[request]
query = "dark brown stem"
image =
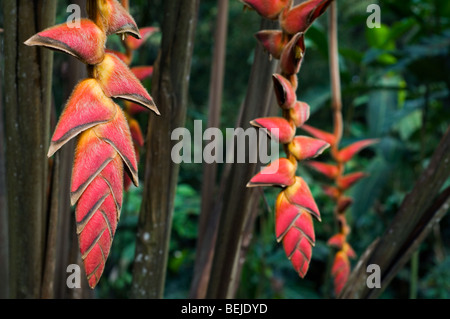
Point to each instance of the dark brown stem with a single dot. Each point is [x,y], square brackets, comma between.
[48,281]
[28,74]
[3,204]
[205,244]
[170,92]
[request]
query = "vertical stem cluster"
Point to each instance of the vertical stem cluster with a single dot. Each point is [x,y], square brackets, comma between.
[28,73]
[207,228]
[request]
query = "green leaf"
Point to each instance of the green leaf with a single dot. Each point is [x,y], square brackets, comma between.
[400,27]
[381,105]
[380,38]
[317,97]
[187,206]
[409,124]
[178,259]
[352,55]
[409,107]
[319,38]
[369,189]
[379,55]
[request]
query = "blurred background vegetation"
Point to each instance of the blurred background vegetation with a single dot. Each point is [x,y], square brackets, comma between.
[395,82]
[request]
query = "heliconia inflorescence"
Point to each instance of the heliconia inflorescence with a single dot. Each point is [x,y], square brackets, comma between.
[335,171]
[295,206]
[105,148]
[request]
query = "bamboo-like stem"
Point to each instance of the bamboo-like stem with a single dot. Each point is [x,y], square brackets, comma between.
[28,73]
[48,281]
[414,266]
[341,225]
[336,97]
[247,235]
[170,92]
[336,102]
[215,100]
[3,204]
[205,244]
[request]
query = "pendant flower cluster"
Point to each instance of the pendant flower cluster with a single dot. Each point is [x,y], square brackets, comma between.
[295,205]
[342,182]
[105,149]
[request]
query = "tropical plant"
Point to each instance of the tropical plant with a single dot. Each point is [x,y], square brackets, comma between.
[198,230]
[105,145]
[295,205]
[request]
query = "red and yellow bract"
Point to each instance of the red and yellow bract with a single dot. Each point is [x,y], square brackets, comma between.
[105,150]
[295,206]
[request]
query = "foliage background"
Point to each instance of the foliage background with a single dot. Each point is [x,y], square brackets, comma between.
[395,83]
